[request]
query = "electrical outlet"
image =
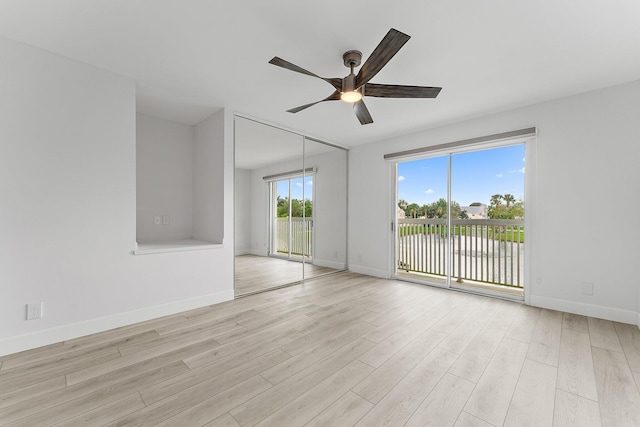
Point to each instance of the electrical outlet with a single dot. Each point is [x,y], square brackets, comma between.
[157,220]
[165,219]
[34,310]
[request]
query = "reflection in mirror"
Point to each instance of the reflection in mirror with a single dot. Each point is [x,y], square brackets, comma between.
[290,207]
[268,207]
[325,196]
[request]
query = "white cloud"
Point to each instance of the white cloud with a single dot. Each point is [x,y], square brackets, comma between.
[298,184]
[521,170]
[499,175]
[400,178]
[309,182]
[429,191]
[512,171]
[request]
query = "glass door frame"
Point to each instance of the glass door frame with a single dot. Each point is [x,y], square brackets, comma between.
[272,212]
[529,197]
[394,246]
[273,218]
[308,174]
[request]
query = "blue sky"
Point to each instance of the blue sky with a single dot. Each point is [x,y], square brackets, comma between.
[475,176]
[296,188]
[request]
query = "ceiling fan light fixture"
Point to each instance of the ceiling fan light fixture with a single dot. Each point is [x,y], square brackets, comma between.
[351,97]
[349,93]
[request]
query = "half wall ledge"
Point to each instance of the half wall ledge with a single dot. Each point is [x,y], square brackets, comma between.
[174,246]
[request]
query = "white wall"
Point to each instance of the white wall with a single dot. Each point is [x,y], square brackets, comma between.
[208,174]
[180,173]
[585,199]
[242,211]
[164,179]
[68,207]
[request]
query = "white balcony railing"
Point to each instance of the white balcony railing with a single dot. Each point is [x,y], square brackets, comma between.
[298,245]
[486,251]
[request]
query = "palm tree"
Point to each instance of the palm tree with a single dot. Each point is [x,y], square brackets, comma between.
[496,199]
[509,198]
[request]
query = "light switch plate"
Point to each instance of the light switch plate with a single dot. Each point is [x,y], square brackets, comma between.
[587,288]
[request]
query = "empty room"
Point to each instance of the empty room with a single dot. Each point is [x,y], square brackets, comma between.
[285,213]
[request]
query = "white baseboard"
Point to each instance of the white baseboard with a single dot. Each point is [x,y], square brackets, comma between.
[383,274]
[258,252]
[330,264]
[242,252]
[599,311]
[63,333]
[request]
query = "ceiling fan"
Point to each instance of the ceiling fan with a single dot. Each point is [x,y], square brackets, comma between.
[353,88]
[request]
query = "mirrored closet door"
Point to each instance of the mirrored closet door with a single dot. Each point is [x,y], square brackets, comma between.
[325,184]
[290,207]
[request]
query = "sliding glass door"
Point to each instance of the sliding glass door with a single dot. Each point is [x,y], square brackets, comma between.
[423,244]
[291,223]
[488,223]
[460,220]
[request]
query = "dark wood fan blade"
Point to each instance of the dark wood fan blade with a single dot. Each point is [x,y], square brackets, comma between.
[362,113]
[401,91]
[388,47]
[333,97]
[335,82]
[289,66]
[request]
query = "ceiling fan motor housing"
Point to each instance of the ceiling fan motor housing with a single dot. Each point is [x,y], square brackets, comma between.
[352,58]
[349,83]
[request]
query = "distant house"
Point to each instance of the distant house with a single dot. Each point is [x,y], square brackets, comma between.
[401,214]
[476,212]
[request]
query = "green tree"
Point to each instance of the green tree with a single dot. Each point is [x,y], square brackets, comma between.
[517,210]
[308,208]
[508,199]
[282,207]
[412,210]
[402,204]
[512,209]
[438,209]
[496,200]
[456,210]
[296,208]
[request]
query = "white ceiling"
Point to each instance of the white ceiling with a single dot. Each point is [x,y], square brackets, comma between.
[258,145]
[191,57]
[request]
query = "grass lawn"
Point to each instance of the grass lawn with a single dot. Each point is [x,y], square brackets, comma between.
[508,235]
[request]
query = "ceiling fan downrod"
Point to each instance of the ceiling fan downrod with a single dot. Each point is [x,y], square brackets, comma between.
[352,59]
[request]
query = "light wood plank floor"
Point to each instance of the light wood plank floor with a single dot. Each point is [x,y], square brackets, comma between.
[258,273]
[340,350]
